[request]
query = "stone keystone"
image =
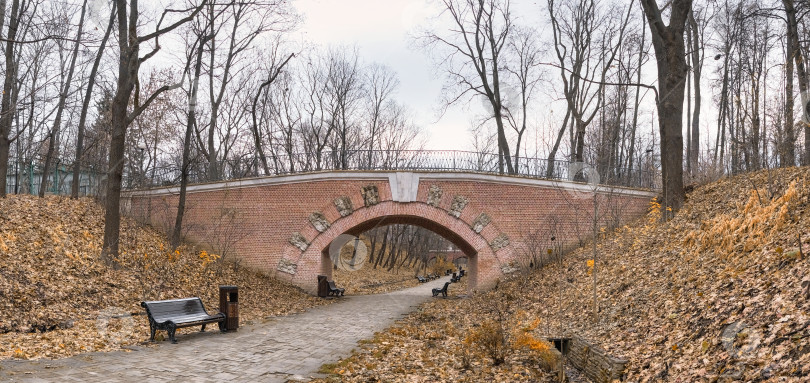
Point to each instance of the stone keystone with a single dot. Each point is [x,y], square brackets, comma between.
[481,222]
[299,241]
[318,221]
[370,195]
[434,195]
[287,266]
[499,242]
[344,206]
[457,206]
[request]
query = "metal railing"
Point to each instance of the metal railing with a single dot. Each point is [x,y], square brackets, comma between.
[411,160]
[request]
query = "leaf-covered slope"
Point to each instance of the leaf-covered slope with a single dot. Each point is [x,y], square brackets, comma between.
[52,279]
[717,291]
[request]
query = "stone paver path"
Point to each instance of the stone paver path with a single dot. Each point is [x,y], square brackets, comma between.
[284,348]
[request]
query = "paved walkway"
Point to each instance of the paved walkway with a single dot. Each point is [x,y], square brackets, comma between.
[284,348]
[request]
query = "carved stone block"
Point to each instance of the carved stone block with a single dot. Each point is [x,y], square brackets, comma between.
[481,222]
[371,195]
[299,241]
[458,205]
[319,222]
[434,195]
[344,206]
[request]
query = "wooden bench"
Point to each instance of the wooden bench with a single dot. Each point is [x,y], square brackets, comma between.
[172,314]
[334,290]
[421,279]
[442,290]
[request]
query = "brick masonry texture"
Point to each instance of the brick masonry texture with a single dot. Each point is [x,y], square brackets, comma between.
[284,225]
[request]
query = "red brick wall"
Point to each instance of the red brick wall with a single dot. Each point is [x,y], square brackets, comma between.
[255,219]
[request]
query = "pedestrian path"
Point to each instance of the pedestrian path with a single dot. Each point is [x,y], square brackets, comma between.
[279,350]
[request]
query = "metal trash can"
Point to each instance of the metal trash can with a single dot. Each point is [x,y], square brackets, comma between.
[323,286]
[229,305]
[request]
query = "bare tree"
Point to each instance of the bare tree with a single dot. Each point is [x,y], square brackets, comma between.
[128,65]
[583,65]
[272,73]
[8,104]
[526,56]
[795,52]
[695,35]
[471,52]
[91,82]
[195,54]
[381,83]
[344,92]
[63,94]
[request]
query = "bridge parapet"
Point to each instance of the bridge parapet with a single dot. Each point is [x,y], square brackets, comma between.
[641,177]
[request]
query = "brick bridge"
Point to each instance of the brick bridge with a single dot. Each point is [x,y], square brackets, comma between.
[284,225]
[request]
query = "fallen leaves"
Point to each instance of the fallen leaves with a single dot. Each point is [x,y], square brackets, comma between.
[56,291]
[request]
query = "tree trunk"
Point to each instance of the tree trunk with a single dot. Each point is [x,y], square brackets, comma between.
[787,152]
[801,71]
[668,42]
[191,119]
[636,103]
[57,121]
[553,154]
[697,68]
[91,82]
[7,109]
[128,62]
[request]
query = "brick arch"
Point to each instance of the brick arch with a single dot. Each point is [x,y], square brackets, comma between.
[485,261]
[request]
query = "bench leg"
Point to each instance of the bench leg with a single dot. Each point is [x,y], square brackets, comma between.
[152,331]
[203,327]
[222,326]
[171,330]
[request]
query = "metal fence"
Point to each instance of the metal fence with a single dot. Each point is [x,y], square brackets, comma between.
[24,176]
[412,160]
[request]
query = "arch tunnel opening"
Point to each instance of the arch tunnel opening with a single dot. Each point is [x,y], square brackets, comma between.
[426,262]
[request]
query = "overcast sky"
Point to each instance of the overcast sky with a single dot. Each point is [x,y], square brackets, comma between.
[381,30]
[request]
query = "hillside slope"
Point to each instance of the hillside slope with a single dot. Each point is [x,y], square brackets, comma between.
[719,293]
[57,295]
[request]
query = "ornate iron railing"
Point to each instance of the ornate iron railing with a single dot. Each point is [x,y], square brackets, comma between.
[413,160]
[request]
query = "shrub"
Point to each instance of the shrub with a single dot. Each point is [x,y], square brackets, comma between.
[489,339]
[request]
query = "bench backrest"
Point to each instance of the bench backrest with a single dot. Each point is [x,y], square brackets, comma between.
[332,285]
[445,286]
[165,310]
